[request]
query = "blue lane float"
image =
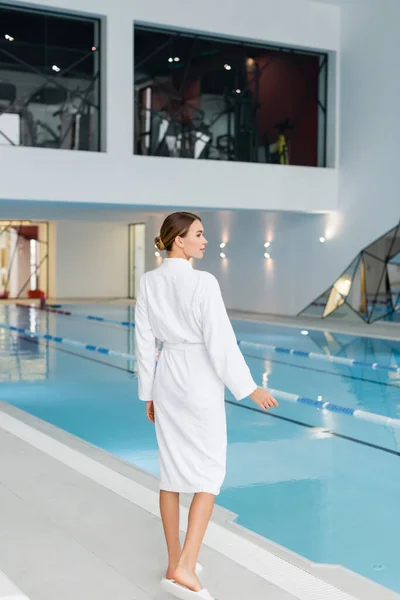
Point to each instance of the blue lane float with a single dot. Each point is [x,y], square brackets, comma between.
[279,394]
[350,362]
[361,415]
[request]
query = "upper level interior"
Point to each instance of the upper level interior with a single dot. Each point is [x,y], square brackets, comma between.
[95,97]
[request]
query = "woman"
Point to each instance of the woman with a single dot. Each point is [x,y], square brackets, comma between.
[183,308]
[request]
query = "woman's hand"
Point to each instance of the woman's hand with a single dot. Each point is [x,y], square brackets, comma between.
[263,399]
[150,411]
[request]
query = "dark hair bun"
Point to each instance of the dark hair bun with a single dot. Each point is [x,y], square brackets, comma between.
[159,243]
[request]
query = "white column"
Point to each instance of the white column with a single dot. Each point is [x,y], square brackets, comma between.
[117,85]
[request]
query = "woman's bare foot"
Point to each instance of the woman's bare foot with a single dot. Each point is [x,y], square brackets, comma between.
[173,562]
[170,572]
[187,578]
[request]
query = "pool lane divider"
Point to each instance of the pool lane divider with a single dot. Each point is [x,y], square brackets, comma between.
[360,415]
[350,362]
[68,313]
[61,340]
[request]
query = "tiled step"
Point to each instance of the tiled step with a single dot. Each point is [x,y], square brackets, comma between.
[9,591]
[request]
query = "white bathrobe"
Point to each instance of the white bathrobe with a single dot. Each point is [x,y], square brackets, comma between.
[183,308]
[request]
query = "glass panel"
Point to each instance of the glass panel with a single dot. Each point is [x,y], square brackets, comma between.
[395,249]
[335,300]
[317,308]
[377,286]
[341,288]
[393,317]
[396,259]
[200,97]
[343,284]
[393,270]
[49,80]
[344,312]
[357,297]
[380,313]
[382,246]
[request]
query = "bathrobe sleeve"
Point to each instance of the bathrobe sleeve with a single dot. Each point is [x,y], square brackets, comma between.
[145,345]
[220,340]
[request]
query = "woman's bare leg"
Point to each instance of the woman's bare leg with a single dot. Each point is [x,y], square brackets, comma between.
[169,508]
[199,517]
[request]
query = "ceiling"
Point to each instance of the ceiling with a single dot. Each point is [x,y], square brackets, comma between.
[79,211]
[344,2]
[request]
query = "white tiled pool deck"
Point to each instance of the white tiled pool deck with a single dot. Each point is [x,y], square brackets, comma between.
[79,524]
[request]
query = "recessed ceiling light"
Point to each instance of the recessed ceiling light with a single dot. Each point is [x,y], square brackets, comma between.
[222,255]
[322,239]
[227,67]
[222,245]
[304,332]
[267,244]
[267,255]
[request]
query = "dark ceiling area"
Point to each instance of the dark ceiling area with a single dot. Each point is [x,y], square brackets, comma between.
[40,40]
[160,53]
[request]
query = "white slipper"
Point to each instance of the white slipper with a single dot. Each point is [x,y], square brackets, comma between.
[198,570]
[179,591]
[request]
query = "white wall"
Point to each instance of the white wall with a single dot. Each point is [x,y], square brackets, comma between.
[91,259]
[248,280]
[369,151]
[119,177]
[370,177]
[88,251]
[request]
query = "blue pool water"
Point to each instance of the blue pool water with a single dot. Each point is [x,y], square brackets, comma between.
[322,484]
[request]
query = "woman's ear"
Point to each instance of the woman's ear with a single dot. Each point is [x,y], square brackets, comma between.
[179,241]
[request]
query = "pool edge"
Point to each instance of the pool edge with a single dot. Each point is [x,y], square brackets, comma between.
[340,577]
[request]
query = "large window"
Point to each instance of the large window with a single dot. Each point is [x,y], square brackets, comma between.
[200,97]
[49,80]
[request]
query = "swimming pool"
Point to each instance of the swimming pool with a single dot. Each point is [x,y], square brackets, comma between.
[322,484]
